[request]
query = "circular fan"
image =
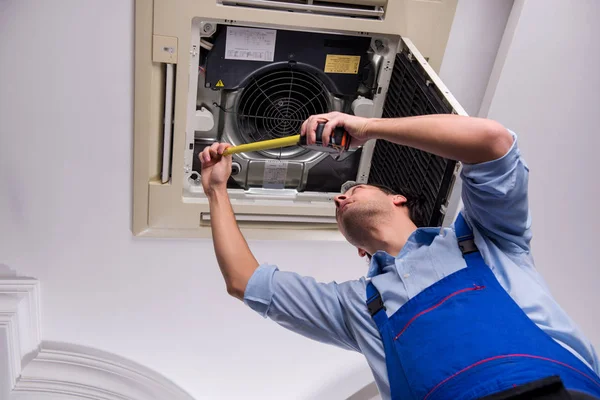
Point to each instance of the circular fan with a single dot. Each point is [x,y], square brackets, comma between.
[275,104]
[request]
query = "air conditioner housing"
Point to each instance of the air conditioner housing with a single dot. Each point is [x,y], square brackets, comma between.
[240,71]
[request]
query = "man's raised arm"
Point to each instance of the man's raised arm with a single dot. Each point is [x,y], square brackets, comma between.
[466,139]
[235,259]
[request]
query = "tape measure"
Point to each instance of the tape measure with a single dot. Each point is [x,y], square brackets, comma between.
[339,141]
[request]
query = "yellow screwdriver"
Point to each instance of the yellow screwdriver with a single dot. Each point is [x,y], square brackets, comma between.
[338,142]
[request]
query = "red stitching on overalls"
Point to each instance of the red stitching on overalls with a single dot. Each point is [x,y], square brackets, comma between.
[507,356]
[436,306]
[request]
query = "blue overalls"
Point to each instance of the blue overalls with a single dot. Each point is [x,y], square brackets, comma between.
[464,337]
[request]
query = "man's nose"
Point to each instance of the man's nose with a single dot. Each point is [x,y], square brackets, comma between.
[338,200]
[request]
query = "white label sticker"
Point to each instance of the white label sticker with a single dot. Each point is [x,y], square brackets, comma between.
[250,44]
[274,176]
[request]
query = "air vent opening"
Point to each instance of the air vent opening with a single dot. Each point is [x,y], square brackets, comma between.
[369,9]
[276,103]
[249,219]
[169,97]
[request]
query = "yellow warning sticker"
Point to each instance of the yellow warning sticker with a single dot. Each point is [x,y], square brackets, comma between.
[338,64]
[220,84]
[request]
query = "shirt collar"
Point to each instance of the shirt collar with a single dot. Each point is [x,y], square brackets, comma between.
[382,259]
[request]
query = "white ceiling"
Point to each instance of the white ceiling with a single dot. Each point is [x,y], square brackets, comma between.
[66,151]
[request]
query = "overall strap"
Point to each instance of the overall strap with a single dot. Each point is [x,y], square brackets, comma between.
[466,243]
[375,305]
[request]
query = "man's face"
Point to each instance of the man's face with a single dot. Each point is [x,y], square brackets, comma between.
[359,208]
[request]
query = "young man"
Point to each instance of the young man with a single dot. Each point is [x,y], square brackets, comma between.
[454,313]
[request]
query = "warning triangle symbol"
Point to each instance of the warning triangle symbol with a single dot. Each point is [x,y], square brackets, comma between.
[220,84]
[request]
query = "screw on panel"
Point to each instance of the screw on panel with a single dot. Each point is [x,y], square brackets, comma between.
[194,176]
[207,29]
[235,168]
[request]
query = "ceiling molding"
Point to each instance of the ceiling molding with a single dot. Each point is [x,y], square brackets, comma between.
[19,326]
[30,366]
[73,370]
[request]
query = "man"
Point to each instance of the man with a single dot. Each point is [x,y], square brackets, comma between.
[436,320]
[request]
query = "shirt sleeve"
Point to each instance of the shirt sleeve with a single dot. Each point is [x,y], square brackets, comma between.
[301,304]
[495,198]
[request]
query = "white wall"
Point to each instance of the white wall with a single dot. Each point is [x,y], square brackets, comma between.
[66,128]
[547,92]
[476,32]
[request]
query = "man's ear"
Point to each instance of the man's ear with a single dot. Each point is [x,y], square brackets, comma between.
[399,200]
[361,252]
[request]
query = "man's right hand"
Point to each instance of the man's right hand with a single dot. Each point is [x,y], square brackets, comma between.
[355,126]
[216,168]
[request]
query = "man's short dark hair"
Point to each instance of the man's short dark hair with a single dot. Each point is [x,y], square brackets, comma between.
[415,202]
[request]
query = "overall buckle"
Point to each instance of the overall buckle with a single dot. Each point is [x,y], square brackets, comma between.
[467,245]
[375,305]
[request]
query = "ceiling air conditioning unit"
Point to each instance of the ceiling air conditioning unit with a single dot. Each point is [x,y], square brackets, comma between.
[241,71]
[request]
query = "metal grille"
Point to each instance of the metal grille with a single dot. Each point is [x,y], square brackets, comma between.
[275,104]
[398,167]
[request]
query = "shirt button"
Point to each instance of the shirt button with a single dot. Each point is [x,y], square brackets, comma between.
[406,275]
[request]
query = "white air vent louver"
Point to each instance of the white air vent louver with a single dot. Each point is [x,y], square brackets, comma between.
[373,9]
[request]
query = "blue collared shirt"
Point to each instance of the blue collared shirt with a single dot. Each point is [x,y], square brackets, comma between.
[496,207]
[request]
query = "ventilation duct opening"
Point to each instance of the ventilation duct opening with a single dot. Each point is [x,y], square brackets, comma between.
[370,9]
[277,219]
